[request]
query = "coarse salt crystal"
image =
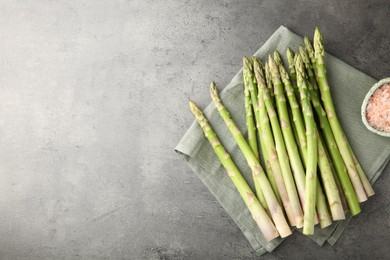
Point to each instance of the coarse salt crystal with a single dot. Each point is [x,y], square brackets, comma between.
[378,108]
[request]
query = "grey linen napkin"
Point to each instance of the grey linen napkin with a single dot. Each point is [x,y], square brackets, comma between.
[348,88]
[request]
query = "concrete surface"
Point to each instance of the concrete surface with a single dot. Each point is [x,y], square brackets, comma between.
[93,99]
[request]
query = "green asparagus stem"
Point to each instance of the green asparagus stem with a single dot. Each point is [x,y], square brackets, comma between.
[248,68]
[336,178]
[269,144]
[329,183]
[250,121]
[310,51]
[293,74]
[268,80]
[322,208]
[296,113]
[342,142]
[250,87]
[297,141]
[366,183]
[278,59]
[288,146]
[300,135]
[257,171]
[258,213]
[323,162]
[268,107]
[252,139]
[321,204]
[308,67]
[334,152]
[311,166]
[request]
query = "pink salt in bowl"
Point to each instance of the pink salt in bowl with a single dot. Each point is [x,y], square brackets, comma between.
[376,108]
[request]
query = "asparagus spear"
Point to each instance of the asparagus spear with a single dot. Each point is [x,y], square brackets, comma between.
[268,80]
[267,139]
[334,152]
[278,59]
[258,213]
[250,121]
[310,51]
[288,146]
[309,68]
[296,112]
[321,204]
[326,174]
[336,178]
[366,183]
[356,175]
[269,160]
[329,183]
[311,166]
[257,171]
[293,75]
[252,132]
[252,139]
[293,209]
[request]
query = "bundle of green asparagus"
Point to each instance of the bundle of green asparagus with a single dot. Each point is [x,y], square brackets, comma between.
[311,173]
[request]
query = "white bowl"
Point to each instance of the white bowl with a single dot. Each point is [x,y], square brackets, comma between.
[364,106]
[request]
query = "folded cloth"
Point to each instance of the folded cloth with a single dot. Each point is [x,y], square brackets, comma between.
[348,88]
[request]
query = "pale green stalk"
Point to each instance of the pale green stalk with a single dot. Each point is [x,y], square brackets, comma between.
[300,136]
[334,152]
[311,166]
[329,183]
[257,171]
[249,88]
[366,183]
[252,138]
[293,75]
[335,176]
[267,137]
[258,213]
[309,68]
[288,149]
[250,121]
[268,80]
[357,176]
[252,86]
[326,174]
[278,59]
[278,139]
[310,51]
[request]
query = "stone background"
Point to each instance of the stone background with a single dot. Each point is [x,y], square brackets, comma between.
[93,99]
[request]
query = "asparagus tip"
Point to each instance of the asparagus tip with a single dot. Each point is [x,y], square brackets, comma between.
[194,108]
[271,62]
[258,68]
[309,49]
[318,42]
[257,64]
[247,63]
[304,55]
[299,65]
[283,73]
[214,91]
[273,68]
[278,58]
[290,56]
[307,43]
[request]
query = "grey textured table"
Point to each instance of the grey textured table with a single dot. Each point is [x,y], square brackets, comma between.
[94,98]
